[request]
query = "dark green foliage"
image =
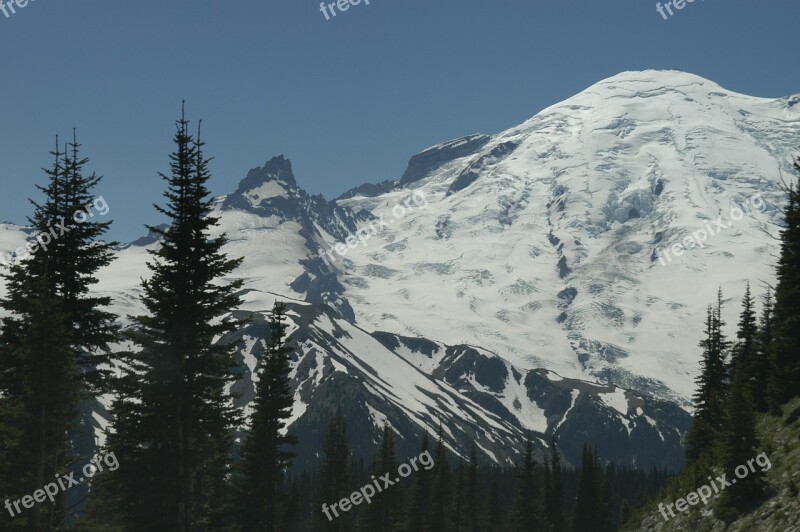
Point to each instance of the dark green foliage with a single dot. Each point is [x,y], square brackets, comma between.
[336,480]
[40,413]
[595,508]
[471,523]
[418,511]
[762,361]
[496,489]
[785,374]
[711,383]
[740,444]
[440,491]
[527,513]
[383,513]
[554,489]
[53,336]
[493,511]
[746,347]
[264,455]
[173,419]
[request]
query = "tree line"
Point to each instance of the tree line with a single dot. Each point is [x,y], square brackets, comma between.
[748,375]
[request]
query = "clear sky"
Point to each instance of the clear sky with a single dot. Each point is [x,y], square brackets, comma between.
[348,100]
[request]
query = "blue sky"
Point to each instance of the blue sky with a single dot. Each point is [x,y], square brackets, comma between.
[348,100]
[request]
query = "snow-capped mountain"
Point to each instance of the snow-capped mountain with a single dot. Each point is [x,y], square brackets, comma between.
[515,283]
[540,243]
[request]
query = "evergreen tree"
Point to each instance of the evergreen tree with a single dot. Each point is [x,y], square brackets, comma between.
[459,496]
[554,490]
[785,374]
[711,386]
[419,505]
[493,511]
[440,490]
[740,444]
[382,513]
[595,508]
[471,498]
[264,457]
[56,268]
[173,416]
[745,349]
[527,512]
[607,514]
[77,255]
[47,401]
[586,503]
[335,477]
[763,355]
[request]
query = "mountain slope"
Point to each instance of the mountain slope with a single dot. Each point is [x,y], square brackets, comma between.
[502,274]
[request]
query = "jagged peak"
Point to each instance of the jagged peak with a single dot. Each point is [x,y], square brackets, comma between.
[279,168]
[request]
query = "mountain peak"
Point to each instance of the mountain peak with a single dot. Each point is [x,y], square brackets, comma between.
[278,168]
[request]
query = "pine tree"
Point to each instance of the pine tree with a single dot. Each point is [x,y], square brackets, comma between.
[335,481]
[554,495]
[77,255]
[459,495]
[745,349]
[740,444]
[382,513]
[56,268]
[711,386]
[174,421]
[527,512]
[607,514]
[419,505]
[493,510]
[440,489]
[586,503]
[48,399]
[471,498]
[785,374]
[264,455]
[763,357]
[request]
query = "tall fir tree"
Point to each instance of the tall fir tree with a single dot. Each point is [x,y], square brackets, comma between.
[173,416]
[746,347]
[458,498]
[527,510]
[740,444]
[419,501]
[493,511]
[55,268]
[47,402]
[471,495]
[383,512]
[440,489]
[785,374]
[265,457]
[709,399]
[586,501]
[595,509]
[763,356]
[335,476]
[554,490]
